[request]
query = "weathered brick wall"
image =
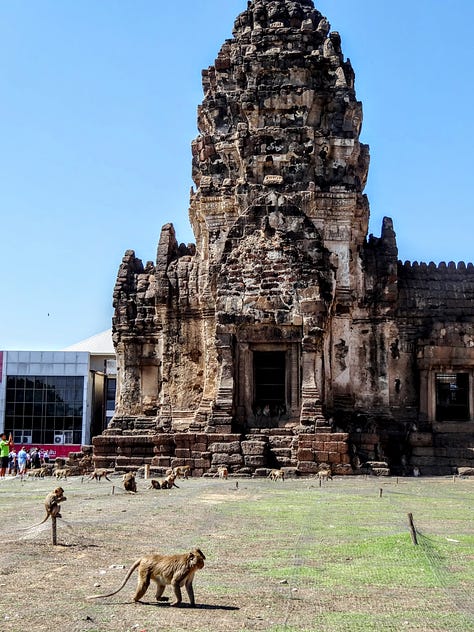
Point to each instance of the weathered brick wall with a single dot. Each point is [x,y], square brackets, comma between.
[203,452]
[436,292]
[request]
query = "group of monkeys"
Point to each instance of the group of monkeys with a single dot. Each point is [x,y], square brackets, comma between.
[130,484]
[182,471]
[324,474]
[164,570]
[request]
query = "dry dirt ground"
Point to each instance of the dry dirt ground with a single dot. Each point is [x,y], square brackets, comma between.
[262,541]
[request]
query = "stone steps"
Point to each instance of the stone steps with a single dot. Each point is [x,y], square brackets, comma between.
[450,446]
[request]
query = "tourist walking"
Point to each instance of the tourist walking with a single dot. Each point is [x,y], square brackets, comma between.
[22,459]
[12,465]
[35,458]
[5,447]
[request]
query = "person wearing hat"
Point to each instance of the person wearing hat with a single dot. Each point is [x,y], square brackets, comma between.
[5,447]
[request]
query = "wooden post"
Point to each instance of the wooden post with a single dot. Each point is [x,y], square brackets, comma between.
[412,529]
[113,490]
[53,530]
[380,493]
[147,472]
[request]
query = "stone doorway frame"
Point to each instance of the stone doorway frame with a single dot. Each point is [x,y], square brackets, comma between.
[245,382]
[428,390]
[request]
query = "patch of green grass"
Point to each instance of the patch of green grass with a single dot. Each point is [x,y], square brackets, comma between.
[385,561]
[338,536]
[411,621]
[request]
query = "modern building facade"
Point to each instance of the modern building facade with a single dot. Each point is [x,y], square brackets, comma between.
[58,400]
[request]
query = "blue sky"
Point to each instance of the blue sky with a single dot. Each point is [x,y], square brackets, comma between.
[98,109]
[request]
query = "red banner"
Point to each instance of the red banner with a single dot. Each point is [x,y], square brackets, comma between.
[58,451]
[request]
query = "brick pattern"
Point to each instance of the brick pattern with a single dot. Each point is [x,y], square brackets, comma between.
[242,455]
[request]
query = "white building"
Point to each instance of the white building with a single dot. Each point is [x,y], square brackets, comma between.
[58,400]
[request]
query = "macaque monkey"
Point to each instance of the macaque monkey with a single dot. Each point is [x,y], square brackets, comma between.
[277,475]
[85,464]
[155,484]
[129,482]
[63,472]
[181,471]
[174,570]
[98,474]
[40,472]
[163,483]
[169,482]
[222,472]
[325,474]
[51,504]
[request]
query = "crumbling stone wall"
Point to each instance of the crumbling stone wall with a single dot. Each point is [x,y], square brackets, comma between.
[204,452]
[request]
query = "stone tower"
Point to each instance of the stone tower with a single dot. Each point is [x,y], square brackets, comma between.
[282,319]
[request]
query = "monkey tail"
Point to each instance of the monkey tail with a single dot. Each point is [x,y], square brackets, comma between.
[127,577]
[33,526]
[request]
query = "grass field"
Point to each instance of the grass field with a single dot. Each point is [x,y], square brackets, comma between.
[281,557]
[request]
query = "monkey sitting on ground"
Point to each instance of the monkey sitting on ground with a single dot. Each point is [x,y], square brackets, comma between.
[177,570]
[129,482]
[155,484]
[163,483]
[276,475]
[169,482]
[85,464]
[51,504]
[98,474]
[222,472]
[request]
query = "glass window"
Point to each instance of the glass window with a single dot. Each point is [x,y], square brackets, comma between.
[110,393]
[38,407]
[452,396]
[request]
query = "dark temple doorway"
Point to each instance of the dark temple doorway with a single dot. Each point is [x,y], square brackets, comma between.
[452,397]
[269,369]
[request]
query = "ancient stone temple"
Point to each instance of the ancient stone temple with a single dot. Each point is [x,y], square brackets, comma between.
[285,337]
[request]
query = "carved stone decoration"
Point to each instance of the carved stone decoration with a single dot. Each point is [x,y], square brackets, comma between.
[235,350]
[394,349]
[341,353]
[269,180]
